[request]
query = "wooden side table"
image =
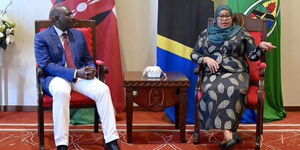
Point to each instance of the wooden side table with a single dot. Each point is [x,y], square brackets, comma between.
[156,95]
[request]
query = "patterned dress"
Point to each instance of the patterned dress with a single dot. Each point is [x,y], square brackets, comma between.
[224,92]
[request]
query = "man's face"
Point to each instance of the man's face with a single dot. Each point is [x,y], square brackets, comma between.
[65,19]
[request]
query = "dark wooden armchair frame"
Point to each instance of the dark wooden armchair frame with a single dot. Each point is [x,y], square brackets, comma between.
[251,25]
[101,71]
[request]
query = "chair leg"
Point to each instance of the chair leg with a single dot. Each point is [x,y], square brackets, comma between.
[259,125]
[196,135]
[41,127]
[177,116]
[96,122]
[258,133]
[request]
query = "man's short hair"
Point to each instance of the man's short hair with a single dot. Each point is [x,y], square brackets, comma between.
[55,11]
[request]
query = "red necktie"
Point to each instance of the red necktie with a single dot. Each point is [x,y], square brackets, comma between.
[68,51]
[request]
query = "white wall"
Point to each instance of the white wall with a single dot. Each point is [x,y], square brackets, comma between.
[290,52]
[18,74]
[137,21]
[137,29]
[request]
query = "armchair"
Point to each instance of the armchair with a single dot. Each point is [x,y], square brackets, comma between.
[258,30]
[77,100]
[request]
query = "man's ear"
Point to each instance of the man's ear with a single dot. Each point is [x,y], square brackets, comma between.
[56,18]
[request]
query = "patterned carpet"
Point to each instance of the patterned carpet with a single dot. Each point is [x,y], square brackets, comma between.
[18,131]
[146,139]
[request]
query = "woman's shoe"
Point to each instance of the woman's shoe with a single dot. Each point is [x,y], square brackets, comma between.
[237,137]
[228,145]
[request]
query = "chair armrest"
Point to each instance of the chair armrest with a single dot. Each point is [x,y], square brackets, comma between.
[102,70]
[261,83]
[262,67]
[40,94]
[99,62]
[198,69]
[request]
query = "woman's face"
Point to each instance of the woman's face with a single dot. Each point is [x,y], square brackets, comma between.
[224,19]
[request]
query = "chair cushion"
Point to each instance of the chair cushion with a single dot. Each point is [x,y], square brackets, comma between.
[200,94]
[76,99]
[43,29]
[87,32]
[257,37]
[254,69]
[252,96]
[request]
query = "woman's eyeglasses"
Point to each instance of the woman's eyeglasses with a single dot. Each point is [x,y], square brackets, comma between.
[224,17]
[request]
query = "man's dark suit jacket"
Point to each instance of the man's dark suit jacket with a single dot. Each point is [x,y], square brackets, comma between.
[50,55]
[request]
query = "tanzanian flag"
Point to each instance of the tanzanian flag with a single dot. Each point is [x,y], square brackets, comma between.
[269,10]
[179,24]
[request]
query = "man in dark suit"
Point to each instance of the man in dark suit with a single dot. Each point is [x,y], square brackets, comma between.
[63,55]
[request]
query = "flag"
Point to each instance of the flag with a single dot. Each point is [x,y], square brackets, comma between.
[269,10]
[108,48]
[179,24]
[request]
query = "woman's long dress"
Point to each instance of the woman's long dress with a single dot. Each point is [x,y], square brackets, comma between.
[224,92]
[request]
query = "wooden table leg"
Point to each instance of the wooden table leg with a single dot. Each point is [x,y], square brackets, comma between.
[129,111]
[177,118]
[182,112]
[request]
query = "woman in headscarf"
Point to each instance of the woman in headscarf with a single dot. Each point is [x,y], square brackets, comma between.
[222,49]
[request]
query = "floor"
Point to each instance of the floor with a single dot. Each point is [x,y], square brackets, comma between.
[18,130]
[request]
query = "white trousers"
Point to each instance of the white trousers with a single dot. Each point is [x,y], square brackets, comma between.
[95,89]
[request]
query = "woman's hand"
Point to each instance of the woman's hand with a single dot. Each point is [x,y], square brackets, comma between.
[266,46]
[211,63]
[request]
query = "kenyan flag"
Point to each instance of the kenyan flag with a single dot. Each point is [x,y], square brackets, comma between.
[108,48]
